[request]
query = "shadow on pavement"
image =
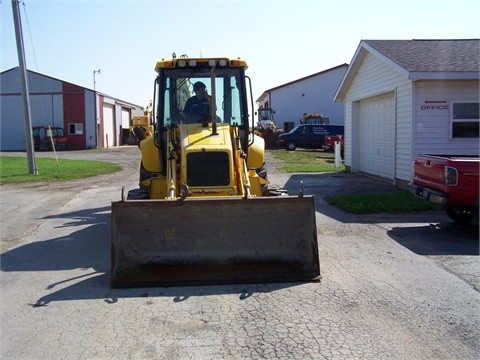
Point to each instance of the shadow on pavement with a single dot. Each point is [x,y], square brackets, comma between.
[322,185]
[88,249]
[445,238]
[97,287]
[328,184]
[85,248]
[441,236]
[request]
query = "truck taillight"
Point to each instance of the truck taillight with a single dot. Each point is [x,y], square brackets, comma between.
[451,176]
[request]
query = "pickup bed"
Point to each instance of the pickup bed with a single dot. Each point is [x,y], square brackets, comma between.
[451,181]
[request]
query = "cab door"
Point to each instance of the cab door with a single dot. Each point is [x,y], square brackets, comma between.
[317,135]
[301,136]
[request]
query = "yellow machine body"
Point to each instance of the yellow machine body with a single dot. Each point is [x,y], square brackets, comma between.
[203,212]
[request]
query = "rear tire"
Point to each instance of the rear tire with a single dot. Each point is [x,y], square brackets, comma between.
[459,215]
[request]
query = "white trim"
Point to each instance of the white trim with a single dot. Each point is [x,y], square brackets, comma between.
[367,96]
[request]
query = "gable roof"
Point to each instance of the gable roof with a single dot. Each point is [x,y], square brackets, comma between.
[122,102]
[419,59]
[302,79]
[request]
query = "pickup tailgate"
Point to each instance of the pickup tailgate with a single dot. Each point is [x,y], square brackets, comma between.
[429,171]
[455,176]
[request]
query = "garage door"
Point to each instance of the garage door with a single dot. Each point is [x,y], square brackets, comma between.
[125,118]
[108,127]
[377,136]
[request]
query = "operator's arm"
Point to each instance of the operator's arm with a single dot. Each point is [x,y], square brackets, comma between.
[187,110]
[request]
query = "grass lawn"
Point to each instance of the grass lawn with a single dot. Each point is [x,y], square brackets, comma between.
[320,161]
[391,203]
[15,169]
[306,161]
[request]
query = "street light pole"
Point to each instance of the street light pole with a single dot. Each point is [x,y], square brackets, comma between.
[95,72]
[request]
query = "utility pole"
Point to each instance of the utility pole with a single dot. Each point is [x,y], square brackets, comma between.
[32,167]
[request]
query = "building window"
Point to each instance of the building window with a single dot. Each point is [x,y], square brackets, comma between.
[465,120]
[75,129]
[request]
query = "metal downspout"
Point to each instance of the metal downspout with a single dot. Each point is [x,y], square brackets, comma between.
[394,183]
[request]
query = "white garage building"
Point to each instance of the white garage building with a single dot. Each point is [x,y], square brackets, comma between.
[408,97]
[311,94]
[90,119]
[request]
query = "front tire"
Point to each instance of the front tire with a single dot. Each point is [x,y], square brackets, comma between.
[144,174]
[262,173]
[137,194]
[290,146]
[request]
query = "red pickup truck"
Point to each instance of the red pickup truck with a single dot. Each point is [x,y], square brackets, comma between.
[451,181]
[330,140]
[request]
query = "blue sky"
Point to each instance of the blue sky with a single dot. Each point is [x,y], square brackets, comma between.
[280,40]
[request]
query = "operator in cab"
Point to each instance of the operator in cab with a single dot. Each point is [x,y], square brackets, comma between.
[197,108]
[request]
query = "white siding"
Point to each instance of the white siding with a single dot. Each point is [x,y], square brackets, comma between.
[12,133]
[433,126]
[45,101]
[375,78]
[310,95]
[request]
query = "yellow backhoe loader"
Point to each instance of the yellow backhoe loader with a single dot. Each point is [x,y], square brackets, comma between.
[203,213]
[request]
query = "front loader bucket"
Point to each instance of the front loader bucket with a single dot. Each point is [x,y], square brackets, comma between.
[213,241]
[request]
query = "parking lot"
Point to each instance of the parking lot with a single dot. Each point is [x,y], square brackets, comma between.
[393,286]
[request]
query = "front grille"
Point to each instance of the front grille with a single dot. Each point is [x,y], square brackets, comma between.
[208,169]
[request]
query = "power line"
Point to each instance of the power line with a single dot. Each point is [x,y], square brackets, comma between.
[30,35]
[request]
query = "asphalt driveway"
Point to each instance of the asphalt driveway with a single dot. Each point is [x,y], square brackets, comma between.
[400,287]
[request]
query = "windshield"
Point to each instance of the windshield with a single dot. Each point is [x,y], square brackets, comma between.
[190,96]
[265,114]
[294,130]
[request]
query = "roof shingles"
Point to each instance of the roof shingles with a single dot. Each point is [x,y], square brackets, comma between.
[431,55]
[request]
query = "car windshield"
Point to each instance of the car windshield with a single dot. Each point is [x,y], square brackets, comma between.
[294,130]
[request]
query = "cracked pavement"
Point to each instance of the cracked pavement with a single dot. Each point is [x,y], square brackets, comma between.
[398,287]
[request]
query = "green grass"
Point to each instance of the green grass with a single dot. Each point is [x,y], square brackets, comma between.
[15,169]
[320,161]
[392,203]
[306,161]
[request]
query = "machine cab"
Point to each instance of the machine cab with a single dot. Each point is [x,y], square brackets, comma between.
[201,90]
